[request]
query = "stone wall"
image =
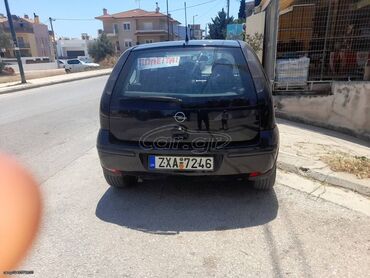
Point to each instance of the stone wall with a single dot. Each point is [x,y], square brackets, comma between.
[347,109]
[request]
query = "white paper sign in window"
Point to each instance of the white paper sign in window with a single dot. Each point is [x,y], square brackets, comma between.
[158,62]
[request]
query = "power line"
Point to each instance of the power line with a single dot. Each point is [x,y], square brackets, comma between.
[75,19]
[210,10]
[189,7]
[93,19]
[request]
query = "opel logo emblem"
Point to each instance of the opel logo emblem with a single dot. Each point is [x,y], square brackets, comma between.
[180,117]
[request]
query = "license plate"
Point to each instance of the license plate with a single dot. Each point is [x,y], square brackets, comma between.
[182,163]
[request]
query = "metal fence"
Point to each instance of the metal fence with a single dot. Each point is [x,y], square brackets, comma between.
[322,40]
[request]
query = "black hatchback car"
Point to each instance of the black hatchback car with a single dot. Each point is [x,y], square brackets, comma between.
[201,108]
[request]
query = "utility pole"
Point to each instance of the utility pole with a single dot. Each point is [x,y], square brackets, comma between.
[16,48]
[228,9]
[54,43]
[168,22]
[186,24]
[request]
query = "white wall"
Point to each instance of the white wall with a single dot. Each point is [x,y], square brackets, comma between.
[256,24]
[31,67]
[347,109]
[69,45]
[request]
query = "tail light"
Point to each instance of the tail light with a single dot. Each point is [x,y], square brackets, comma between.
[255,174]
[114,171]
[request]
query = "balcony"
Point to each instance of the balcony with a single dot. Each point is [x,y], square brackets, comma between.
[151,32]
[24,45]
[19,29]
[111,35]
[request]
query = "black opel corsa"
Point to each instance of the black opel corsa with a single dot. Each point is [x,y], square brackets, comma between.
[197,108]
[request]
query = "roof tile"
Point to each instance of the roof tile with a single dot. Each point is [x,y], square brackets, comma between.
[133,13]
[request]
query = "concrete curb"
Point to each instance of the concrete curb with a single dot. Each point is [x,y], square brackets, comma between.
[306,168]
[23,87]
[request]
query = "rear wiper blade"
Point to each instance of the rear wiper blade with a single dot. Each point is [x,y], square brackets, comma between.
[153,98]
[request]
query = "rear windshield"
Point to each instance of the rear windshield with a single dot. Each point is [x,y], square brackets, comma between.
[186,72]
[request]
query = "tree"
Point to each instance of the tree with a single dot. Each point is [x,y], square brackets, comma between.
[217,29]
[255,41]
[101,48]
[5,40]
[242,15]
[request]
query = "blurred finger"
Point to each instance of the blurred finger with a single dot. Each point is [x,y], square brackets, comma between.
[20,211]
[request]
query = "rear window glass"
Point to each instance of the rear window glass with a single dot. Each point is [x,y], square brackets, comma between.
[186,72]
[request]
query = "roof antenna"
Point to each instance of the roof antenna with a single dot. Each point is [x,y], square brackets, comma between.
[186,24]
[157,7]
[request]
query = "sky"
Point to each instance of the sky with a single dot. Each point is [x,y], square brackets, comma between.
[86,10]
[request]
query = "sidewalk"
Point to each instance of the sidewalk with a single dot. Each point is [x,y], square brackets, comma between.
[303,149]
[46,81]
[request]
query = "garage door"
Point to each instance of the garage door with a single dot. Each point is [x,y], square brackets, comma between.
[72,54]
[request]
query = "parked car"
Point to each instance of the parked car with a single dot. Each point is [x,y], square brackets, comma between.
[62,63]
[202,108]
[76,65]
[85,59]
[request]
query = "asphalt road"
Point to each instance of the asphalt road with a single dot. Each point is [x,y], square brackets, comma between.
[165,228]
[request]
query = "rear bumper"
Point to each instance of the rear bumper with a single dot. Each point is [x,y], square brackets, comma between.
[133,160]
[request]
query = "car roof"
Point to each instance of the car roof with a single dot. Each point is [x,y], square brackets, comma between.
[204,43]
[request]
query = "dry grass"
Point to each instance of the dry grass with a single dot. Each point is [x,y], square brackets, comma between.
[108,62]
[31,75]
[342,162]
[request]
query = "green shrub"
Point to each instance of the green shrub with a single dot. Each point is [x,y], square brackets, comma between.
[2,66]
[101,48]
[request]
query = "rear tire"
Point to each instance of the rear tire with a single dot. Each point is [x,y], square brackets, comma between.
[120,181]
[266,183]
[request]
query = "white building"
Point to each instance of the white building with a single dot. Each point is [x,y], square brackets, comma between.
[72,48]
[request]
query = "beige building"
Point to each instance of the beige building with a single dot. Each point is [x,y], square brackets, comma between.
[137,26]
[32,36]
[196,32]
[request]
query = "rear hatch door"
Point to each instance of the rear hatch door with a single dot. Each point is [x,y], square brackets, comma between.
[192,96]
